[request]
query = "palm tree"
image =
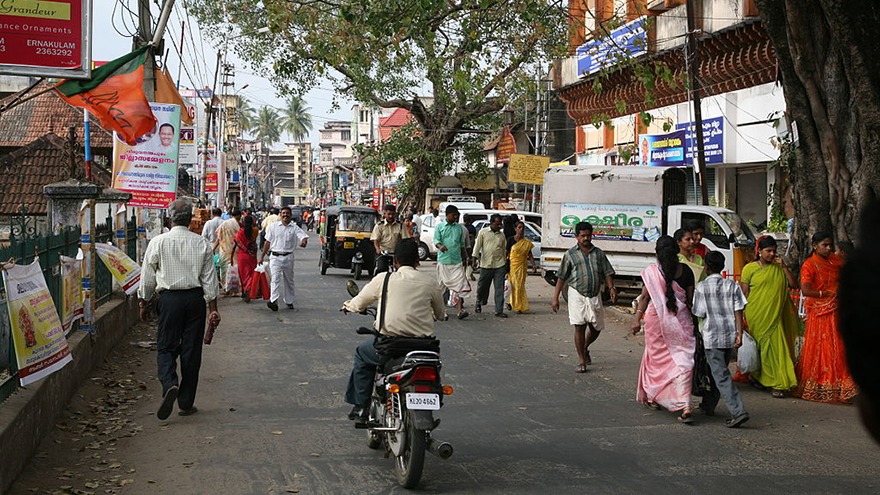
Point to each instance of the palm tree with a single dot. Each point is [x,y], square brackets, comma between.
[297,119]
[245,113]
[267,126]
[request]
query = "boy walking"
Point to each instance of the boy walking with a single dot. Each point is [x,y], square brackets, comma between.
[720,302]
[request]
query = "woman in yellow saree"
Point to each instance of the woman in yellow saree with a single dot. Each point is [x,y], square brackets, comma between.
[520,255]
[771,317]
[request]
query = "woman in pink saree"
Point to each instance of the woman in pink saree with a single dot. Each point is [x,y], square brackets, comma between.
[668,361]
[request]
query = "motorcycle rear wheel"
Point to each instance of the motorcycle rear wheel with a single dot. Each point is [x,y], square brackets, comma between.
[409,464]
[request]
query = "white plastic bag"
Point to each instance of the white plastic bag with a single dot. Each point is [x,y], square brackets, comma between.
[260,268]
[748,358]
[233,284]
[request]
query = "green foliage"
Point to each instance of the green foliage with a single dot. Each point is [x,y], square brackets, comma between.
[472,57]
[244,112]
[297,121]
[267,126]
[777,221]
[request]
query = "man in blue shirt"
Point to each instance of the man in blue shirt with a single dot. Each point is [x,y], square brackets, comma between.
[451,241]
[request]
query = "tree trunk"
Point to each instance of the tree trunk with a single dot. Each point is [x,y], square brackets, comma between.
[829,60]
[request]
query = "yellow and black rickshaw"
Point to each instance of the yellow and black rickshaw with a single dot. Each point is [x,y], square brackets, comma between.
[345,239]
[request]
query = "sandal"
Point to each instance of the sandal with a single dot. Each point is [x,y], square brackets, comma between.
[652,405]
[581,368]
[777,394]
[587,358]
[686,417]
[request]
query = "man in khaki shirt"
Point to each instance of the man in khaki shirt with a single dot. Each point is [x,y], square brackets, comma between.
[402,319]
[386,234]
[491,249]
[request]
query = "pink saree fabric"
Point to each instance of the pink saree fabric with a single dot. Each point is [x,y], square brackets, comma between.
[668,361]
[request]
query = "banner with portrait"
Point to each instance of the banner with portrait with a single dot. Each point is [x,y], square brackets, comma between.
[126,272]
[148,170]
[40,346]
[71,291]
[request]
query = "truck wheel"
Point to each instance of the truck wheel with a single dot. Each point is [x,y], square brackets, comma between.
[550,278]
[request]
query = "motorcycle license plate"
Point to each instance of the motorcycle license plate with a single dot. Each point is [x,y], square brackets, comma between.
[348,245]
[423,401]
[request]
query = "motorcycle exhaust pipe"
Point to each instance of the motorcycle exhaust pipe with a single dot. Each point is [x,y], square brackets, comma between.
[442,450]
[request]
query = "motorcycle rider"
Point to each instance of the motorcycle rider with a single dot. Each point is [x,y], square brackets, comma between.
[402,319]
[386,234]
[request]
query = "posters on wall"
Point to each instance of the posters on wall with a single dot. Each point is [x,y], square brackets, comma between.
[71,291]
[662,150]
[613,222]
[148,170]
[124,270]
[37,334]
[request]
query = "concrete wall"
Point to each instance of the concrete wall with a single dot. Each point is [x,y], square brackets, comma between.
[29,413]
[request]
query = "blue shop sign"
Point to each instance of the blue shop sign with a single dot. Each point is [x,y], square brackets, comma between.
[626,42]
[713,140]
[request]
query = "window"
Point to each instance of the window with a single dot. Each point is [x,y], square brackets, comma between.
[345,135]
[532,233]
[712,231]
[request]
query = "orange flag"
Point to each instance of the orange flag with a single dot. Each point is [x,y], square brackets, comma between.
[115,95]
[166,92]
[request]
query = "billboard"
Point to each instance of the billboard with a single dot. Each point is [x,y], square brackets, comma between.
[662,150]
[46,38]
[148,170]
[626,42]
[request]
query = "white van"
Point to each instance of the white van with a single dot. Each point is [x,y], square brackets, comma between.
[476,215]
[426,235]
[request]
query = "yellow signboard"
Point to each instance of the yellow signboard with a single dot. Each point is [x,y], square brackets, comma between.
[527,169]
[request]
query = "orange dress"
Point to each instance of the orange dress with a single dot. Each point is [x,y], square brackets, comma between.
[822,373]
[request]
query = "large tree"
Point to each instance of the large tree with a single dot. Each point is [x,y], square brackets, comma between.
[829,59]
[244,112]
[297,119]
[267,126]
[469,57]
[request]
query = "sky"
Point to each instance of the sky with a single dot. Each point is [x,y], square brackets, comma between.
[114,21]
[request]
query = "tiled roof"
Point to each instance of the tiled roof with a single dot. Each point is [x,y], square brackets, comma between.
[387,125]
[45,114]
[25,171]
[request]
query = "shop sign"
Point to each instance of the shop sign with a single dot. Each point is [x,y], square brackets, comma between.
[448,190]
[713,140]
[625,43]
[662,150]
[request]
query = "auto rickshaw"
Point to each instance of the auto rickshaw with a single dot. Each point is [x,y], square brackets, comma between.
[345,239]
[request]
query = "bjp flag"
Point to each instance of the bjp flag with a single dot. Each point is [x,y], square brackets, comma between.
[115,95]
[166,92]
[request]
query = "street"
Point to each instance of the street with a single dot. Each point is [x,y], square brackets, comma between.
[272,420]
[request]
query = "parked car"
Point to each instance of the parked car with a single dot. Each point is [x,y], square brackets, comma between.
[532,233]
[528,216]
[426,237]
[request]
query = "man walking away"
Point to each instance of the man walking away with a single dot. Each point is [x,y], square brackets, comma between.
[720,302]
[583,269]
[386,234]
[282,238]
[450,240]
[402,319]
[209,231]
[490,249]
[179,266]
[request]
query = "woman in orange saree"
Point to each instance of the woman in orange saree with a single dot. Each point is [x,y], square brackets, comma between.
[822,373]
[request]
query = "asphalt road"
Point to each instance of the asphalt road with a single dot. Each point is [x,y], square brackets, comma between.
[272,418]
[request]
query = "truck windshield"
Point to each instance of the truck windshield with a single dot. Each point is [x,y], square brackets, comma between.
[741,231]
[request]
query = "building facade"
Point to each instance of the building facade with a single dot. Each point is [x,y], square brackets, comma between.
[292,171]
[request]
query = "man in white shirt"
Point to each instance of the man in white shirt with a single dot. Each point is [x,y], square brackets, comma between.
[179,266]
[281,239]
[402,318]
[209,231]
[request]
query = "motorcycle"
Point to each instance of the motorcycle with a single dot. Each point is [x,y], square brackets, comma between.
[385,259]
[406,392]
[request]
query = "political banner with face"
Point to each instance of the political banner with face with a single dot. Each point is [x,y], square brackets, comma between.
[148,170]
[126,272]
[40,345]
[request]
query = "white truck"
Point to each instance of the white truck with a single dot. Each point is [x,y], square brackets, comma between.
[629,208]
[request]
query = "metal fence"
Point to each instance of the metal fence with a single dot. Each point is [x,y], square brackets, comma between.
[23,246]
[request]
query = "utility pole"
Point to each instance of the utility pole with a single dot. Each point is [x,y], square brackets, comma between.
[210,109]
[145,35]
[700,156]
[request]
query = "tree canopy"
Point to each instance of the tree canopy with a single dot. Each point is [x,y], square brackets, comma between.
[267,126]
[451,63]
[297,119]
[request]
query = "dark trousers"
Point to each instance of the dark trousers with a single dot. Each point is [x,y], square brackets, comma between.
[492,276]
[182,316]
[360,382]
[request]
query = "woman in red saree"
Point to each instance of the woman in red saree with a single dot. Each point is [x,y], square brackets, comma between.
[822,373]
[668,362]
[245,244]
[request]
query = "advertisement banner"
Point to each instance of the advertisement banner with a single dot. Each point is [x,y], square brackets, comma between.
[626,42]
[506,147]
[613,222]
[211,174]
[148,170]
[662,150]
[186,151]
[40,346]
[527,169]
[43,34]
[376,199]
[71,291]
[713,140]
[123,268]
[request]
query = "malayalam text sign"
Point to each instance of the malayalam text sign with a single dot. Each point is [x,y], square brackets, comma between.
[527,169]
[126,272]
[626,42]
[662,150]
[613,222]
[713,140]
[148,170]
[48,38]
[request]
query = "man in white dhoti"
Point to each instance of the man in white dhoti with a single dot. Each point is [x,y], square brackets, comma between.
[450,239]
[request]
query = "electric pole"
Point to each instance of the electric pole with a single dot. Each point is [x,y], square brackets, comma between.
[700,155]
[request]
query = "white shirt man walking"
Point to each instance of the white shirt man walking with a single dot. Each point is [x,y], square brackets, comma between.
[281,240]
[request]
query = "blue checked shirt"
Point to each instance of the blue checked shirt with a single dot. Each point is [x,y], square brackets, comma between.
[716,299]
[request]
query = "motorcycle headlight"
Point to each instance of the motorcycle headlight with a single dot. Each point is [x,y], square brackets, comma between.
[359,255]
